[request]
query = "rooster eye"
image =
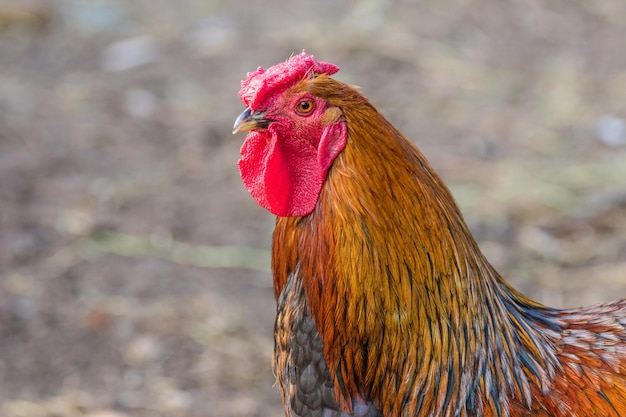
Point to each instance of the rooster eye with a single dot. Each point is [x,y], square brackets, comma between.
[305,107]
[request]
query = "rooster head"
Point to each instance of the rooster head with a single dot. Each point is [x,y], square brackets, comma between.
[293,138]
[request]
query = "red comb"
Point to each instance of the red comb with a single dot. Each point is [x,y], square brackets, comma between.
[281,76]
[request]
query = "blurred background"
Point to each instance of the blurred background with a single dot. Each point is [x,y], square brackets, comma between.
[134,273]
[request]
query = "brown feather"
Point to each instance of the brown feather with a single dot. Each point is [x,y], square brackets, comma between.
[412,317]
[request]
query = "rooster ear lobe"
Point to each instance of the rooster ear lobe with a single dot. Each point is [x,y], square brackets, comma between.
[331,144]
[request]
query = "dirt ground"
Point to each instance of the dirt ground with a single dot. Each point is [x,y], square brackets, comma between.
[134,265]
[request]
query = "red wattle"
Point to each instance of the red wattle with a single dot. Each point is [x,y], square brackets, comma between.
[286,180]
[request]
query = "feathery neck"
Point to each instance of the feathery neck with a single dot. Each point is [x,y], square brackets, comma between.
[395,280]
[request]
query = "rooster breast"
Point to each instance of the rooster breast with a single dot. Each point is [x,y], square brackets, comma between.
[303,376]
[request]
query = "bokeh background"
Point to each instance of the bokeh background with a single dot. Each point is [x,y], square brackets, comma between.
[134,265]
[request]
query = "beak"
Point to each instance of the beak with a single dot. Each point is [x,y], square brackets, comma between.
[249,120]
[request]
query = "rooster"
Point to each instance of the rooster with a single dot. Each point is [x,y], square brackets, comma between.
[386,305]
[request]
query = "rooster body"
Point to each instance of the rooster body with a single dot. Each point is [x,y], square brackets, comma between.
[386,305]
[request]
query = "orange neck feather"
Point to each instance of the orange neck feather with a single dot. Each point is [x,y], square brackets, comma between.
[394,280]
